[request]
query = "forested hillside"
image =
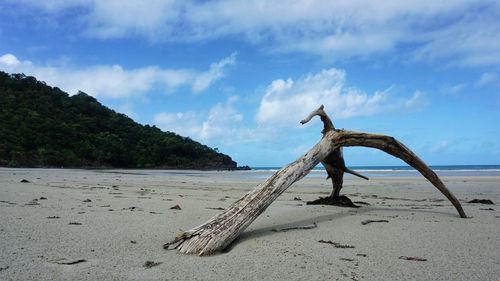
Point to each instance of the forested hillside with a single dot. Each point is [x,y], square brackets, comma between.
[42,126]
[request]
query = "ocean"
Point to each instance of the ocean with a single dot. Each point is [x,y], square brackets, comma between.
[395,171]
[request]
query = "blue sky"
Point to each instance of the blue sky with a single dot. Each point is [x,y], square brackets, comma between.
[239,75]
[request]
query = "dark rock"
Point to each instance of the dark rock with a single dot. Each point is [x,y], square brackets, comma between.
[4,268]
[336,244]
[243,168]
[412,258]
[216,208]
[370,221]
[481,201]
[150,264]
[362,202]
[25,181]
[71,262]
[340,201]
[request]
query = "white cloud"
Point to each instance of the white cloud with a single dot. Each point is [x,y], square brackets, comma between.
[285,102]
[127,109]
[118,19]
[9,60]
[215,73]
[442,146]
[461,32]
[223,124]
[469,41]
[488,78]
[182,123]
[114,81]
[453,89]
[221,120]
[415,102]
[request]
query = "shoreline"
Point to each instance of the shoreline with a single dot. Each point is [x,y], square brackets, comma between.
[317,170]
[117,222]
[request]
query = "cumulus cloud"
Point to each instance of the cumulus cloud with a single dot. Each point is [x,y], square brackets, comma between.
[222,118]
[286,101]
[114,81]
[223,124]
[182,123]
[461,32]
[9,60]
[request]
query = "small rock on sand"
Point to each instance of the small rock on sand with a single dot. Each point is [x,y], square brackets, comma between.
[481,201]
[150,264]
[176,207]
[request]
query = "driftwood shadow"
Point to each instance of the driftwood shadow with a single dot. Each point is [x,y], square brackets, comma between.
[270,230]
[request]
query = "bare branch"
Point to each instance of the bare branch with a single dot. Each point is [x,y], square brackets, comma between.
[327,122]
[391,146]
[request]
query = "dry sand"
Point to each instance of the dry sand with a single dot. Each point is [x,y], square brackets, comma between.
[105,225]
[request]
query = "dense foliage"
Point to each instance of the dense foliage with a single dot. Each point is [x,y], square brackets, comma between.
[42,126]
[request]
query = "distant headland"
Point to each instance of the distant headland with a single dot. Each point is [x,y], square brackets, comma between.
[42,126]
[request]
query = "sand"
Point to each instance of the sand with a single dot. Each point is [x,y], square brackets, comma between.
[105,225]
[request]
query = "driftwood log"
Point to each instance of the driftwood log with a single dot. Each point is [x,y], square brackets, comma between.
[218,232]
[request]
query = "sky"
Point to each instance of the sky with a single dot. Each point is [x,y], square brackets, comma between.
[240,75]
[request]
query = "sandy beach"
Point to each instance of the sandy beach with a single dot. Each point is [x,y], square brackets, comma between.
[107,224]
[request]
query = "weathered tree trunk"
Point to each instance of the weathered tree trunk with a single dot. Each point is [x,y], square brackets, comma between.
[334,165]
[217,233]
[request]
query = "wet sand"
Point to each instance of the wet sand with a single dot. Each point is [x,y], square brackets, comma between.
[111,225]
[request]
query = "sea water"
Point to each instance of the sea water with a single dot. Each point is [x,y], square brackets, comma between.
[393,171]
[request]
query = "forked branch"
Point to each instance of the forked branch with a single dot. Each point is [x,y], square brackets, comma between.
[327,122]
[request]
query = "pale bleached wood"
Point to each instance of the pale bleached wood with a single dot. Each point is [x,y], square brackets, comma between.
[217,233]
[221,230]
